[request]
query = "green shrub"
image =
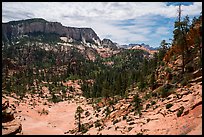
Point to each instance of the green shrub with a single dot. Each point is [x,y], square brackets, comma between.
[129,119]
[174,57]
[84,129]
[115,121]
[140,133]
[111,102]
[169,106]
[45,103]
[87,113]
[180,111]
[174,79]
[166,90]
[153,103]
[147,96]
[45,112]
[155,107]
[130,128]
[137,103]
[154,94]
[116,128]
[186,78]
[97,123]
[124,117]
[168,70]
[147,106]
[189,67]
[148,120]
[184,82]
[162,63]
[107,111]
[97,115]
[55,99]
[131,123]
[98,109]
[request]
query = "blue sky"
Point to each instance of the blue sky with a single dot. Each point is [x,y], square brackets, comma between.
[122,22]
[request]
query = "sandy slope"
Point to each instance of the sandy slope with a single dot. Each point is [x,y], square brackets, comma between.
[61,118]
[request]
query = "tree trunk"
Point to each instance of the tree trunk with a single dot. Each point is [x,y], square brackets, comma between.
[183,65]
[79,123]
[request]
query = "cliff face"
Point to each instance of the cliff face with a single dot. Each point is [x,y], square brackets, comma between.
[15,29]
[107,43]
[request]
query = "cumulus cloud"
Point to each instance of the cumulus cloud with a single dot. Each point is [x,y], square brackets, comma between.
[123,22]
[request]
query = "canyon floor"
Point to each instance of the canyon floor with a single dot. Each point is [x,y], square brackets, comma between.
[40,117]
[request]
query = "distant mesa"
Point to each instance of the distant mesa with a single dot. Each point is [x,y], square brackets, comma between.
[142,46]
[14,29]
[107,43]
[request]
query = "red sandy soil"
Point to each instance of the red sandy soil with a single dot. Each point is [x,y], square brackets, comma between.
[60,117]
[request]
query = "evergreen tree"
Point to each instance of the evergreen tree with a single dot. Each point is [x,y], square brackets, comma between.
[137,104]
[78,113]
[180,32]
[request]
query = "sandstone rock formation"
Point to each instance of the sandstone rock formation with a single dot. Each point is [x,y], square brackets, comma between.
[107,43]
[10,125]
[15,29]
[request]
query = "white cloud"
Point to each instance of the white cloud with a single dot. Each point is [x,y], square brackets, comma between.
[162,31]
[102,16]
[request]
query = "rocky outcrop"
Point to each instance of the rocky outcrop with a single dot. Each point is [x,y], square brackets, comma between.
[10,125]
[197,73]
[107,43]
[15,29]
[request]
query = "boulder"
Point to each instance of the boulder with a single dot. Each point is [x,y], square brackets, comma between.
[198,79]
[11,128]
[10,125]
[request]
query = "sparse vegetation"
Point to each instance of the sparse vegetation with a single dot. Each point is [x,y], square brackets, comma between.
[84,128]
[148,106]
[115,121]
[169,106]
[166,90]
[137,104]
[148,120]
[131,123]
[153,103]
[107,111]
[87,113]
[97,123]
[36,60]
[140,133]
[129,119]
[154,94]
[147,96]
[54,98]
[124,117]
[130,128]
[43,112]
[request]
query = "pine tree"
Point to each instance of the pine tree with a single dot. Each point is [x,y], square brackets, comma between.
[163,49]
[78,113]
[137,104]
[180,32]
